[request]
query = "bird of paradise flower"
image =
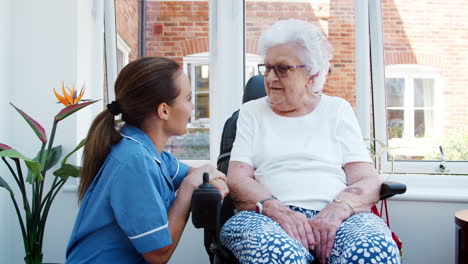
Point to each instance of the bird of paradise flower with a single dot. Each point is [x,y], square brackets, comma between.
[71,97]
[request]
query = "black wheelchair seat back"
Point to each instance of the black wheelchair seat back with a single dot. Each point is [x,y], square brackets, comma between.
[254,89]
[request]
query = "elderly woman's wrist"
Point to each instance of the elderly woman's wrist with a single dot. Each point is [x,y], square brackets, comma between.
[345,204]
[273,206]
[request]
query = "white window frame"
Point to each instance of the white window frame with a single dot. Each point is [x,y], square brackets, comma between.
[190,62]
[198,59]
[124,50]
[409,72]
[380,124]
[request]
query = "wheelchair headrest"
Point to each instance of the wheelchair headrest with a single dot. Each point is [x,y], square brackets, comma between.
[254,89]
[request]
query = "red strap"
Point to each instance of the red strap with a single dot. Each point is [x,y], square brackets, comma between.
[375,210]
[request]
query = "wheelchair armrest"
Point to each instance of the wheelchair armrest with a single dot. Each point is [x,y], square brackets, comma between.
[390,189]
[206,207]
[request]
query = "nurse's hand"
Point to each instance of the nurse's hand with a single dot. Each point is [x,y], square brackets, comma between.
[217,179]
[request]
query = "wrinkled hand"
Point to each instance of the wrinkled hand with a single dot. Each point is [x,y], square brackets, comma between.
[324,227]
[294,223]
[221,185]
[195,178]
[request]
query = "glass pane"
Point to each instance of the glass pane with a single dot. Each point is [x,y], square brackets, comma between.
[431,56]
[173,29]
[395,90]
[202,84]
[422,121]
[395,123]
[423,92]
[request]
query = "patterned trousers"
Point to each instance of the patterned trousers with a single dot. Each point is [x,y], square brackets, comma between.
[254,238]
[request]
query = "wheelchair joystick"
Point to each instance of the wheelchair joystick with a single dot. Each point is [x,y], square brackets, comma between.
[206,179]
[206,205]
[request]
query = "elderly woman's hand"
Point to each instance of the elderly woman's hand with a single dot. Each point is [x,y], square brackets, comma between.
[294,223]
[221,185]
[324,227]
[217,178]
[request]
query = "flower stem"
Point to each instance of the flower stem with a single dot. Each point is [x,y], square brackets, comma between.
[45,213]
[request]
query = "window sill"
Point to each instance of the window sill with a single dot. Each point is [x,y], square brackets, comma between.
[432,188]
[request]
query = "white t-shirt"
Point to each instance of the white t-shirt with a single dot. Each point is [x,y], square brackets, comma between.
[300,159]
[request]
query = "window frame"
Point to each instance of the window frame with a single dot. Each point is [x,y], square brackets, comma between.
[189,63]
[125,50]
[379,107]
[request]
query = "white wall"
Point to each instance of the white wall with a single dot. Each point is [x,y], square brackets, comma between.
[424,217]
[6,215]
[41,38]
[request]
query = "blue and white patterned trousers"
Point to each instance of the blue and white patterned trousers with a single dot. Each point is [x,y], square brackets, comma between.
[254,238]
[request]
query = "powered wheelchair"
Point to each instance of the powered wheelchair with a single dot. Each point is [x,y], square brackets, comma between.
[210,213]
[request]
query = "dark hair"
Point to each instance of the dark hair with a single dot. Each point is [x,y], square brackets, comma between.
[140,87]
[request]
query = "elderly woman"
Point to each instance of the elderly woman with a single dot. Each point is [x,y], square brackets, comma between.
[300,174]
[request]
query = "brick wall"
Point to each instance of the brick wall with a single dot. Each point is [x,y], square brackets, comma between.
[128,24]
[175,29]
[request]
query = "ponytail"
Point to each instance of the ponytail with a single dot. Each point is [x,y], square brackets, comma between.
[141,86]
[101,136]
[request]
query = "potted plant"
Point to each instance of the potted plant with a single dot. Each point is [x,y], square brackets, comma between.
[35,197]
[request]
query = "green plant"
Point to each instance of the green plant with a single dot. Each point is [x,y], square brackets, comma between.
[38,199]
[454,145]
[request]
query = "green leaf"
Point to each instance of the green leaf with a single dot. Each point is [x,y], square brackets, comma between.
[5,185]
[54,157]
[32,165]
[67,170]
[71,109]
[36,127]
[80,145]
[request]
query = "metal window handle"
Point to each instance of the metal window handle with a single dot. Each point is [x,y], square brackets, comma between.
[442,167]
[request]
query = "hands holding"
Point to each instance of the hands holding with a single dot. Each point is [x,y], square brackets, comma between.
[294,223]
[324,226]
[316,234]
[195,177]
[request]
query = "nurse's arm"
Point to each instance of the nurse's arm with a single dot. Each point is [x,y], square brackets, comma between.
[177,218]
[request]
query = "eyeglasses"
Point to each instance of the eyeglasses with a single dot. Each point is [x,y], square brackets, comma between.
[280,70]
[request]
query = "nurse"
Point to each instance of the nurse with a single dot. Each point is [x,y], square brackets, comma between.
[130,211]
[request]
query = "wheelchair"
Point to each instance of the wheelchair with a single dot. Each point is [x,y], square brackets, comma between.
[207,210]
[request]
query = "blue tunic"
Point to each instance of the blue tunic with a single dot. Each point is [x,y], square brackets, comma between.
[124,212]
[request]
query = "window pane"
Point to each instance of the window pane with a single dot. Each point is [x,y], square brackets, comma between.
[395,88]
[202,84]
[422,122]
[395,123]
[173,29]
[423,92]
[430,55]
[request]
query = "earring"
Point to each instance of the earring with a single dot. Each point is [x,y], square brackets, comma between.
[166,118]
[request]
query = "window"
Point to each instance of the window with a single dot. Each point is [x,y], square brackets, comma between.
[419,85]
[411,110]
[196,66]
[172,29]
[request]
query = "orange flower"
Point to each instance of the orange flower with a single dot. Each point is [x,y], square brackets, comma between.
[70,98]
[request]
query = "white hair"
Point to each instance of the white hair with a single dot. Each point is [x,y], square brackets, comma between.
[316,51]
